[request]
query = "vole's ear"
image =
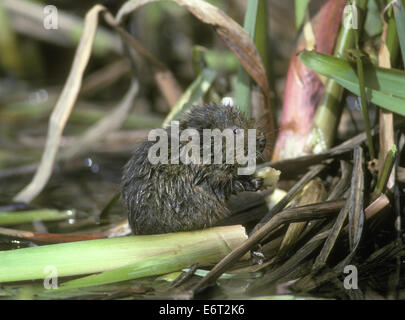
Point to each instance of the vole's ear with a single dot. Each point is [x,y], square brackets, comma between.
[183,124]
[185,119]
[189,119]
[196,118]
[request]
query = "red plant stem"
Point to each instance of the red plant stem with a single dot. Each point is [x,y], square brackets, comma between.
[304,88]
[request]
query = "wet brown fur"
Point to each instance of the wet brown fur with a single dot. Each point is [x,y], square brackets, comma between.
[166,198]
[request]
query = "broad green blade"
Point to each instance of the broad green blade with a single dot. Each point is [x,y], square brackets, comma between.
[373,23]
[160,253]
[147,267]
[300,9]
[384,87]
[242,88]
[400,21]
[379,98]
[213,59]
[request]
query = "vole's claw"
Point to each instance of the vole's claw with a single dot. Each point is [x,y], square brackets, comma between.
[249,184]
[237,186]
[257,183]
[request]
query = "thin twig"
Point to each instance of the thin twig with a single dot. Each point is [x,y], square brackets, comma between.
[167,83]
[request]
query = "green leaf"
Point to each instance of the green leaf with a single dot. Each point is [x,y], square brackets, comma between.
[123,257]
[384,87]
[386,170]
[214,59]
[300,10]
[399,13]
[144,268]
[12,218]
[364,106]
[242,88]
[373,24]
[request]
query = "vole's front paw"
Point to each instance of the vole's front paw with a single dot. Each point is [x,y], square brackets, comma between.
[252,184]
[249,184]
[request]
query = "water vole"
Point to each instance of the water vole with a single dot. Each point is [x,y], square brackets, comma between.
[162,198]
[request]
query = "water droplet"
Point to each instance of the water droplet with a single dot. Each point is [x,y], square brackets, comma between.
[88,162]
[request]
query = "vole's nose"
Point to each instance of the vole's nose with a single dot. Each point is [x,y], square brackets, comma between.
[261,143]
